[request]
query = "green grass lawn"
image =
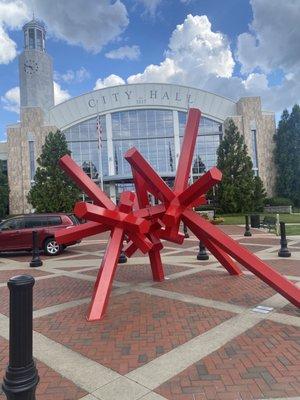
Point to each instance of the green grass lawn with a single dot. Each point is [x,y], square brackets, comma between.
[239,219]
[292,229]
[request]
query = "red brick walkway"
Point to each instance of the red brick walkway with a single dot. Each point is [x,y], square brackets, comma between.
[149,323]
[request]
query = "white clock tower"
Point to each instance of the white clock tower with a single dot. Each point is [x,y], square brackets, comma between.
[35,68]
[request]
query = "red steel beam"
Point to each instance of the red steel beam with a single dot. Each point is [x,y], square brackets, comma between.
[78,232]
[113,218]
[103,284]
[201,186]
[154,182]
[187,151]
[201,228]
[85,183]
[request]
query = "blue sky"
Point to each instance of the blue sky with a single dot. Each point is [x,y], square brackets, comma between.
[235,47]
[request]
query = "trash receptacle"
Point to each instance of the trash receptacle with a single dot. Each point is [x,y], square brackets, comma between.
[255,221]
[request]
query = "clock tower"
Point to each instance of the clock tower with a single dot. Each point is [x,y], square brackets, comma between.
[35,69]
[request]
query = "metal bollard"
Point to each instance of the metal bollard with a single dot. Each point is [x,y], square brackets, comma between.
[122,257]
[202,255]
[185,231]
[247,227]
[283,251]
[21,377]
[36,260]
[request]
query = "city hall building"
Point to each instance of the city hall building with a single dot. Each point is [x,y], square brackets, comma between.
[149,116]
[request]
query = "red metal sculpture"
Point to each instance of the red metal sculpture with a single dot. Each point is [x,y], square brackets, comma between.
[146,225]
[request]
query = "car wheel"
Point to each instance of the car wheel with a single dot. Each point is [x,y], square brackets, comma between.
[51,247]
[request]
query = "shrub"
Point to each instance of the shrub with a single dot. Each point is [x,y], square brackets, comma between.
[278,201]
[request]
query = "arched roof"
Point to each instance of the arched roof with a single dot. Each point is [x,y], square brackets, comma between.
[139,96]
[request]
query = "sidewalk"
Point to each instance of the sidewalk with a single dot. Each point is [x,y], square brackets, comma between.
[194,336]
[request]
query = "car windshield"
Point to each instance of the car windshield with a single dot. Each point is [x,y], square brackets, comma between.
[10,224]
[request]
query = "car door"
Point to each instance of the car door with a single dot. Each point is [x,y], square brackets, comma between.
[11,235]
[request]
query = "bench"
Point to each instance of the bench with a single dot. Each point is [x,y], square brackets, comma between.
[269,223]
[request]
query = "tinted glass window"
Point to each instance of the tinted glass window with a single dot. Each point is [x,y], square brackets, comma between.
[74,219]
[54,220]
[35,222]
[12,224]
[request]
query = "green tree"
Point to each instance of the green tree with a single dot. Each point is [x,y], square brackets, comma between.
[235,192]
[259,194]
[4,191]
[53,190]
[294,128]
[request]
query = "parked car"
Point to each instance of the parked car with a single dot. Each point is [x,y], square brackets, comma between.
[16,232]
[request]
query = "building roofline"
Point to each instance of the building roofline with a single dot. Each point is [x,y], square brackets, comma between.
[144,83]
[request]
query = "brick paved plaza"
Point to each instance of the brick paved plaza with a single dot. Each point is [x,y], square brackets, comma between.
[194,336]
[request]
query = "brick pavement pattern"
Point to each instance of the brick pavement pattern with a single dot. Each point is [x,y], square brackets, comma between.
[5,275]
[233,361]
[264,362]
[52,385]
[138,328]
[242,290]
[48,292]
[137,273]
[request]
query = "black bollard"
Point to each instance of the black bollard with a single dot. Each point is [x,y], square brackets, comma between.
[247,227]
[36,260]
[202,255]
[122,257]
[21,377]
[185,231]
[283,251]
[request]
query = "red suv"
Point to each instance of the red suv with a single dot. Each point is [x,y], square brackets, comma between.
[16,232]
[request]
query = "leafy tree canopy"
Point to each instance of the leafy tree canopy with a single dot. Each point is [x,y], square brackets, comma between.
[287,155]
[239,189]
[4,192]
[53,190]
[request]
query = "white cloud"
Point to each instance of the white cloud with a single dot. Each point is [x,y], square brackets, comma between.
[194,53]
[11,100]
[274,41]
[12,15]
[129,52]
[90,24]
[166,71]
[71,76]
[111,80]
[150,6]
[60,94]
[256,83]
[8,48]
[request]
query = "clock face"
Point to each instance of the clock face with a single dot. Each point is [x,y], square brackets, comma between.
[30,66]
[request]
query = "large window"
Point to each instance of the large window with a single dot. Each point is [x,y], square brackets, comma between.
[151,132]
[83,141]
[208,140]
[39,39]
[254,152]
[31,39]
[31,159]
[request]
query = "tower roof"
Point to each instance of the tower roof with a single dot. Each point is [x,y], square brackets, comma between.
[34,23]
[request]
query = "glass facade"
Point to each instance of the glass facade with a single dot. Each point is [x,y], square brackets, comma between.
[83,142]
[151,131]
[208,140]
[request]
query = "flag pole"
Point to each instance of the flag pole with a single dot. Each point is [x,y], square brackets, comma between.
[99,134]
